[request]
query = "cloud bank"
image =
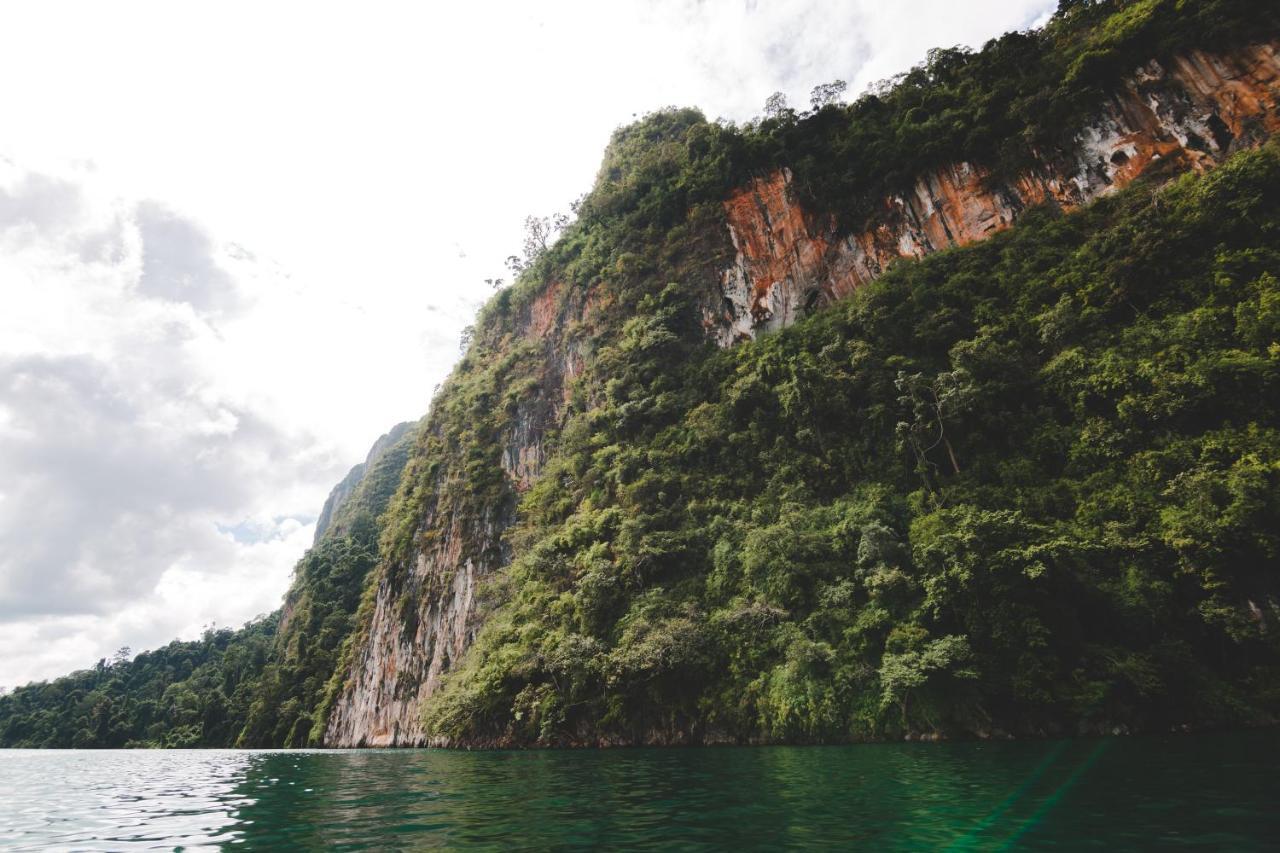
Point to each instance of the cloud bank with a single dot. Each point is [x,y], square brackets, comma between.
[125,458]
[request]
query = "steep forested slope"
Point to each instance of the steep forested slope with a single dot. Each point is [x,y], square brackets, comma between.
[794,436]
[914,511]
[1031,485]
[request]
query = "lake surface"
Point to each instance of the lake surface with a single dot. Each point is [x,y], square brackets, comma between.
[1219,791]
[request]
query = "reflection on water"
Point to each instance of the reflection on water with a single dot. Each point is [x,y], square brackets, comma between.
[1211,791]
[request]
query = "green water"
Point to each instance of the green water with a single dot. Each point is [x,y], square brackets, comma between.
[1210,791]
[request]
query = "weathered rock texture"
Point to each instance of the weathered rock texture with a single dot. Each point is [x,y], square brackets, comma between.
[421,624]
[427,609]
[1193,113]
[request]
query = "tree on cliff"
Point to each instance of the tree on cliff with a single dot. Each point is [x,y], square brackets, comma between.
[825,94]
[539,233]
[776,106]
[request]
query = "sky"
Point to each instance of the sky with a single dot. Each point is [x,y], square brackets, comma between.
[239,241]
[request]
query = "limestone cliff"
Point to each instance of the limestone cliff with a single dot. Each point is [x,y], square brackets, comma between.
[426,608]
[427,601]
[342,492]
[360,497]
[1192,114]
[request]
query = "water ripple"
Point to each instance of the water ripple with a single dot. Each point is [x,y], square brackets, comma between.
[1211,791]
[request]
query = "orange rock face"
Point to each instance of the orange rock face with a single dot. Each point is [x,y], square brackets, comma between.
[787,262]
[425,612]
[543,311]
[1194,113]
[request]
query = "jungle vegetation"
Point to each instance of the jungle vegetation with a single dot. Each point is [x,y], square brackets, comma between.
[259,685]
[1031,485]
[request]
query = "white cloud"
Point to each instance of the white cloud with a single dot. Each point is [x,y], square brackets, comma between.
[171,403]
[128,460]
[229,586]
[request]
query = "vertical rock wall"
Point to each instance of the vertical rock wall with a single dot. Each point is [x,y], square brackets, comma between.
[426,609]
[1195,113]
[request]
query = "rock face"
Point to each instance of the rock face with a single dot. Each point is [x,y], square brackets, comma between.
[1194,113]
[427,607]
[426,610]
[415,638]
[341,492]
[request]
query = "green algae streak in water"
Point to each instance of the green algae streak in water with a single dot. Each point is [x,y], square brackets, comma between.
[1207,791]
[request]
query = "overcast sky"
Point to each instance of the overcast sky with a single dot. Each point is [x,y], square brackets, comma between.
[238,241]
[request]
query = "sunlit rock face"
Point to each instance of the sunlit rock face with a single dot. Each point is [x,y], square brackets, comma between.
[414,639]
[1195,112]
[427,608]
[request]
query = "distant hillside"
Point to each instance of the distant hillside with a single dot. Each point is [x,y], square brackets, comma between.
[256,686]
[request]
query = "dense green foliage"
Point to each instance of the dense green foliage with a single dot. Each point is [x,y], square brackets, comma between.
[962,501]
[1026,485]
[1031,485]
[184,694]
[261,685]
[1015,104]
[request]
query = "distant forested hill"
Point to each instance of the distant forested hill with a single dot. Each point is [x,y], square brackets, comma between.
[256,686]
